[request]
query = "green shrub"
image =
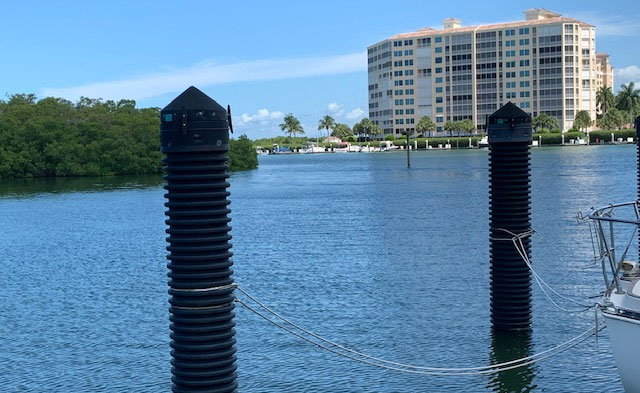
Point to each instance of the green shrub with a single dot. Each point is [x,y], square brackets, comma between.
[242,154]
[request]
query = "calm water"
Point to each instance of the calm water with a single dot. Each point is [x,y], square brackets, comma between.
[390,261]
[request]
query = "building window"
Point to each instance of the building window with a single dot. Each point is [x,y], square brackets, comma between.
[438,89]
[410,121]
[524,84]
[438,60]
[408,52]
[524,41]
[510,32]
[397,83]
[511,94]
[524,52]
[510,85]
[524,63]
[408,42]
[408,72]
[524,94]
[408,62]
[438,70]
[510,43]
[439,49]
[409,101]
[438,39]
[439,119]
[438,79]
[510,64]
[439,109]
[410,111]
[525,104]
[397,53]
[397,93]
[438,99]
[410,91]
[397,43]
[408,82]
[510,74]
[399,102]
[399,112]
[399,121]
[524,73]
[524,30]
[510,53]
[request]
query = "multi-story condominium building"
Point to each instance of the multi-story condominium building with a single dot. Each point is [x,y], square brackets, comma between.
[544,64]
[604,71]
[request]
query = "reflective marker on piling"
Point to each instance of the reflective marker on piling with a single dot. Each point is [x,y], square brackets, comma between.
[509,131]
[195,139]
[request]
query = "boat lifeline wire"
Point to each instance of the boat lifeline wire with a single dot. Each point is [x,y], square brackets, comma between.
[351,354]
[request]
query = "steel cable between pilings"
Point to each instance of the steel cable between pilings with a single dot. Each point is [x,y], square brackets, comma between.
[516,239]
[408,368]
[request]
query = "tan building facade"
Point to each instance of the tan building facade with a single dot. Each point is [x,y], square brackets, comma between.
[604,71]
[544,64]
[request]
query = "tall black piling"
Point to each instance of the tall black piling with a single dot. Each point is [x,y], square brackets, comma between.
[195,139]
[509,132]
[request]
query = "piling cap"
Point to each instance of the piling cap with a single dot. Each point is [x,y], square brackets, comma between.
[193,121]
[509,124]
[638,128]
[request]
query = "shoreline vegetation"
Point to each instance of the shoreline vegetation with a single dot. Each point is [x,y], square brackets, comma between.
[54,137]
[547,139]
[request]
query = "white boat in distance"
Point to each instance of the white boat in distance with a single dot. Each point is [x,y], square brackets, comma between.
[388,146]
[614,230]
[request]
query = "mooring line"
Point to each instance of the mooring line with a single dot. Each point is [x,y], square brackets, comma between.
[408,368]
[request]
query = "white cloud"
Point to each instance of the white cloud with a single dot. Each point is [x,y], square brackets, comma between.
[625,75]
[210,73]
[610,25]
[262,117]
[355,114]
[334,107]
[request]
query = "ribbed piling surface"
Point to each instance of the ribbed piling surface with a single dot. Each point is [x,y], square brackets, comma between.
[509,213]
[509,192]
[202,326]
[195,139]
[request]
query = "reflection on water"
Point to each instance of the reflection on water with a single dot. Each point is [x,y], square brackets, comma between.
[27,187]
[507,346]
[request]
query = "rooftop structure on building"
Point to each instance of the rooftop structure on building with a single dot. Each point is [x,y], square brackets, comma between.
[544,64]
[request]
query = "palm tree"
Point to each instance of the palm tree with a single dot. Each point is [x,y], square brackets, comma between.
[327,123]
[628,97]
[291,125]
[604,99]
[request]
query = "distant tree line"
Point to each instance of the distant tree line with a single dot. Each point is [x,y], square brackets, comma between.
[55,137]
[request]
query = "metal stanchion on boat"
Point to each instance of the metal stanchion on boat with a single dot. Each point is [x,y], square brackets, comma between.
[638,173]
[195,139]
[509,131]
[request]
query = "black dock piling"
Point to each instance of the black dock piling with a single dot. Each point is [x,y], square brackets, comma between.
[509,131]
[195,139]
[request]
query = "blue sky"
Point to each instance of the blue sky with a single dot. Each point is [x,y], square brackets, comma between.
[264,58]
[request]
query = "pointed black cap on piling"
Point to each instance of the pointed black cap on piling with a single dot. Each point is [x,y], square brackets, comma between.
[193,121]
[509,124]
[193,98]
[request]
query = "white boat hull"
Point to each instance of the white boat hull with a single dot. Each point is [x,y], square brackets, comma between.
[624,334]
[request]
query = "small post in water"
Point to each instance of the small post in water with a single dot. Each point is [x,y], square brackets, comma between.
[509,130]
[194,134]
[408,150]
